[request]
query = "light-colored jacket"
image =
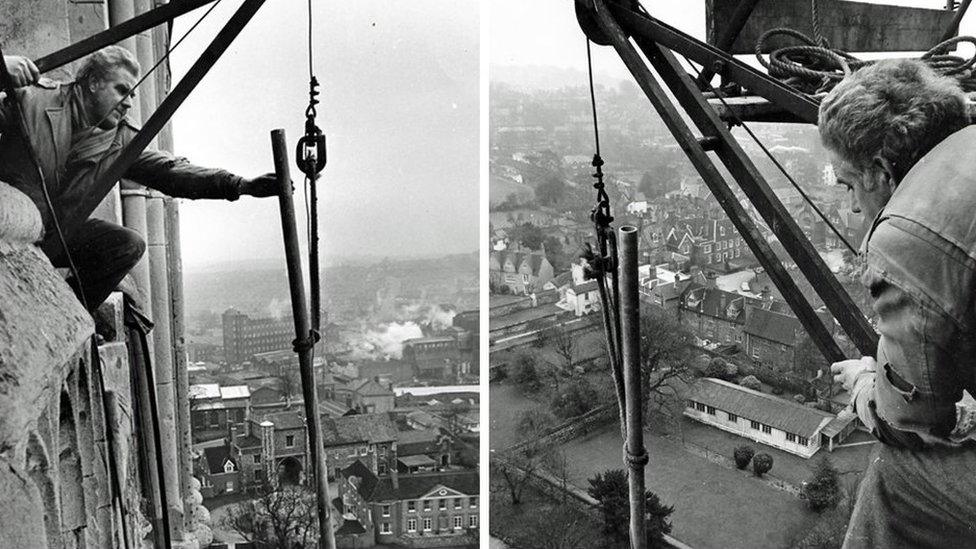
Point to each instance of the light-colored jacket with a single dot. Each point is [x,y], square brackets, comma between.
[921,273]
[70,170]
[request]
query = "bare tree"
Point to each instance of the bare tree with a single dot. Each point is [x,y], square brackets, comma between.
[562,342]
[283,518]
[558,465]
[666,355]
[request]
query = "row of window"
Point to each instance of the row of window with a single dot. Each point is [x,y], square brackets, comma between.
[441,505]
[429,523]
[755,425]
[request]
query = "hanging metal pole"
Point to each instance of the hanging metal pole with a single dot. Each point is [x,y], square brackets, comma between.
[304,341]
[634,454]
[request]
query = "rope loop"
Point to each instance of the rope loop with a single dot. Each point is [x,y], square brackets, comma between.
[635,460]
[301,345]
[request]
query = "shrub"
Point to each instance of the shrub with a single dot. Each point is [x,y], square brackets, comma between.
[720,369]
[743,455]
[823,491]
[525,373]
[575,400]
[799,398]
[751,382]
[761,464]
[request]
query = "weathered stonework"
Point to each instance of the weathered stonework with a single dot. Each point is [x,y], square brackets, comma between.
[54,448]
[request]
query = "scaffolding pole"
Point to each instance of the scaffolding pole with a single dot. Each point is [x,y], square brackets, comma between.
[634,454]
[304,342]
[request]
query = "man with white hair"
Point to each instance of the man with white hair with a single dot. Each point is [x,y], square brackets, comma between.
[77,130]
[899,139]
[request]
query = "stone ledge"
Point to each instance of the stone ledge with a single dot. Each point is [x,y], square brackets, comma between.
[20,222]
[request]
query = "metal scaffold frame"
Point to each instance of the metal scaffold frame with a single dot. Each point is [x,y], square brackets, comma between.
[615,23]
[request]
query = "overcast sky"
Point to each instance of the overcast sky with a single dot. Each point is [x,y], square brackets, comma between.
[545,32]
[399,107]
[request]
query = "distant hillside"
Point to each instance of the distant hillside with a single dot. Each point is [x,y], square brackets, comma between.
[536,77]
[261,286]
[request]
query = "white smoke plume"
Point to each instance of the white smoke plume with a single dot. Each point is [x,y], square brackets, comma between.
[387,340]
[440,318]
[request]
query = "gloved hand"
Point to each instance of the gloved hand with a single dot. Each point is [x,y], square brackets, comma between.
[22,70]
[846,372]
[261,186]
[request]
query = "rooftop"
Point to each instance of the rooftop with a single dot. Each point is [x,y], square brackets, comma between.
[419,485]
[782,414]
[370,428]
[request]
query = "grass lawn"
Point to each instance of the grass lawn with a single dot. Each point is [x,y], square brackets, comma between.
[850,462]
[714,507]
[505,405]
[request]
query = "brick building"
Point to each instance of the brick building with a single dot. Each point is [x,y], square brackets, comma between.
[245,337]
[714,315]
[432,357]
[369,438]
[212,406]
[421,510]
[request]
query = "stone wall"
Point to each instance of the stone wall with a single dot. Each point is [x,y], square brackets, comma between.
[54,431]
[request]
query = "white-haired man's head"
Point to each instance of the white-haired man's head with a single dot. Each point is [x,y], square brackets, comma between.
[879,121]
[107,78]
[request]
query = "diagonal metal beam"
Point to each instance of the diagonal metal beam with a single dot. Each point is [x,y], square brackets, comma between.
[724,43]
[643,26]
[754,185]
[86,205]
[156,16]
[716,183]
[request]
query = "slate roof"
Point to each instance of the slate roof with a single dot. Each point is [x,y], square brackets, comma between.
[370,428]
[773,326]
[588,286]
[417,442]
[416,461]
[285,420]
[216,457]
[414,486]
[367,479]
[785,415]
[716,303]
[350,527]
[369,387]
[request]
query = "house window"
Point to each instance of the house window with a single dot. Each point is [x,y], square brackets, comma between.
[411,506]
[411,525]
[289,441]
[754,425]
[710,410]
[256,458]
[385,529]
[426,505]
[472,521]
[458,522]
[229,466]
[427,523]
[442,504]
[767,429]
[802,441]
[472,502]
[457,503]
[229,487]
[362,450]
[381,468]
[732,417]
[386,510]
[699,406]
[790,437]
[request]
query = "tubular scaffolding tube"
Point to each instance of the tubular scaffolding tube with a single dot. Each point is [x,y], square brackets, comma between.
[304,341]
[634,454]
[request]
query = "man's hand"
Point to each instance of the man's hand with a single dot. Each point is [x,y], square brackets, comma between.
[846,372]
[22,70]
[261,186]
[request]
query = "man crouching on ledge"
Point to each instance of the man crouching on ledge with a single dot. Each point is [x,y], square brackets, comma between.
[899,139]
[77,130]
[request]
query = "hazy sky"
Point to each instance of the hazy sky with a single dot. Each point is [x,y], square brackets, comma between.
[399,107]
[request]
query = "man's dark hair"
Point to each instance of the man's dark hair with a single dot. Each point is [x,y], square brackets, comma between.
[898,109]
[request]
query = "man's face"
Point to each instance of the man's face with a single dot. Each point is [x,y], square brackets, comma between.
[869,189]
[108,100]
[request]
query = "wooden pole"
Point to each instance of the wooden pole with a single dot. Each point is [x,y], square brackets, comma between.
[304,342]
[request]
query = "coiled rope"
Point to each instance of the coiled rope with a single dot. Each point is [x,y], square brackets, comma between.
[814,67]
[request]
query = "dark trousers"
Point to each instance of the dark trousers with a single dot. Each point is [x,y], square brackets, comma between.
[103,253]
